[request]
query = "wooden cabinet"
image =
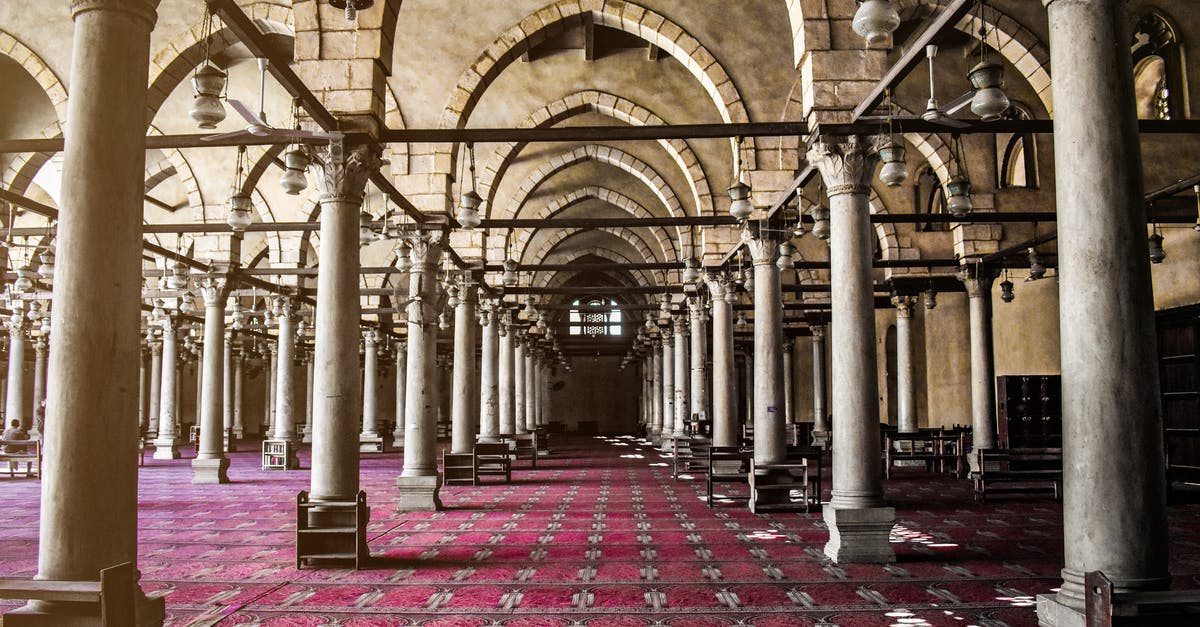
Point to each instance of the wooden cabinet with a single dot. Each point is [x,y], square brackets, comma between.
[1029,411]
[1179,383]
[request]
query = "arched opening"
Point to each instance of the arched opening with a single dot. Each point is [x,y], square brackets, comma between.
[1157,69]
[594,317]
[1016,154]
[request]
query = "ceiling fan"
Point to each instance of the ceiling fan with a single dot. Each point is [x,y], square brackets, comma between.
[934,113]
[257,125]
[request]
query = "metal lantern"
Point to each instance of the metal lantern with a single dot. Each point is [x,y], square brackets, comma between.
[1157,254]
[989,101]
[468,210]
[239,212]
[208,83]
[820,216]
[875,20]
[530,312]
[510,277]
[1006,291]
[1037,269]
[894,171]
[785,261]
[46,267]
[930,298]
[740,208]
[295,163]
[958,196]
[365,234]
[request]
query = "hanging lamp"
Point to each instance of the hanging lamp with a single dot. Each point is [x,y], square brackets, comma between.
[208,84]
[240,204]
[468,206]
[875,20]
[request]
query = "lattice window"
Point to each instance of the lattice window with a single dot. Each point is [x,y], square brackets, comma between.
[594,317]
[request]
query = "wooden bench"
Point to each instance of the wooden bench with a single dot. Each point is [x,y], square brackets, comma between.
[492,459]
[31,455]
[526,447]
[1167,608]
[772,486]
[114,595]
[1020,471]
[458,468]
[727,464]
[937,450]
[344,541]
[689,456]
[814,457]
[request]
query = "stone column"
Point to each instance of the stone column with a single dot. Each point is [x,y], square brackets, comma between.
[505,377]
[768,417]
[698,357]
[682,376]
[789,400]
[143,393]
[166,444]
[342,179]
[463,408]
[14,408]
[656,392]
[1112,429]
[518,383]
[239,405]
[859,524]
[304,432]
[983,384]
[547,407]
[668,387]
[227,393]
[820,432]
[419,482]
[155,385]
[906,389]
[89,489]
[210,464]
[748,385]
[285,378]
[39,385]
[489,383]
[531,377]
[724,372]
[369,441]
[401,362]
[268,418]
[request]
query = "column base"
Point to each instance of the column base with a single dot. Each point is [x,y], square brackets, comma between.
[370,443]
[397,440]
[307,437]
[210,470]
[860,536]
[490,439]
[820,439]
[1053,613]
[148,612]
[419,494]
[166,449]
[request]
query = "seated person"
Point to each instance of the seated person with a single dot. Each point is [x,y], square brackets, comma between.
[15,432]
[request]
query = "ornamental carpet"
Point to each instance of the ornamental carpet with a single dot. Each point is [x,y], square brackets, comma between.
[599,535]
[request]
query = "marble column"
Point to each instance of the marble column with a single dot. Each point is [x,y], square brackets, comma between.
[39,385]
[859,524]
[419,481]
[304,432]
[89,486]
[267,426]
[342,179]
[906,388]
[285,379]
[463,408]
[166,443]
[239,405]
[143,393]
[531,377]
[668,387]
[983,385]
[656,392]
[518,383]
[698,357]
[682,378]
[1114,511]
[820,432]
[489,382]
[769,438]
[210,464]
[401,367]
[155,385]
[747,385]
[724,371]
[789,395]
[370,441]
[505,378]
[227,393]
[14,408]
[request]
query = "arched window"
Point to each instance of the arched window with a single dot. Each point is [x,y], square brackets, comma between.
[1016,153]
[593,317]
[928,198]
[1157,69]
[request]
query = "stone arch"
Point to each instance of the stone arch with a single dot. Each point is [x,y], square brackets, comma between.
[21,171]
[810,33]
[611,106]
[618,14]
[567,257]
[559,235]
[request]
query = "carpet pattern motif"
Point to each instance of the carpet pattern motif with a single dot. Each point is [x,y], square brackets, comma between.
[599,535]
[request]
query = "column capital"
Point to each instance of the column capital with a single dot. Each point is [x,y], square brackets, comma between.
[846,163]
[145,10]
[763,250]
[904,305]
[284,306]
[818,331]
[213,289]
[719,285]
[977,282]
[39,344]
[680,323]
[343,172]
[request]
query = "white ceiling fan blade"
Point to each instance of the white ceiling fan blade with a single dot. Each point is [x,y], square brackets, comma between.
[245,112]
[959,103]
[302,134]
[946,120]
[210,138]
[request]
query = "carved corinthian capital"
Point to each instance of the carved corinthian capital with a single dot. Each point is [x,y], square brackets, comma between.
[343,172]
[846,163]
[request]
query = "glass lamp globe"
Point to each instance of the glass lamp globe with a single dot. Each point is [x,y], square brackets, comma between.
[177,280]
[208,83]
[785,261]
[239,212]
[452,298]
[820,216]
[46,268]
[293,180]
[875,20]
[45,328]
[989,101]
[365,234]
[24,281]
[958,196]
[740,208]
[691,270]
[894,172]
[930,298]
[468,210]
[509,278]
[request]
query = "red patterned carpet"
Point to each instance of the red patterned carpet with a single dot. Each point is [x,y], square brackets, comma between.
[600,534]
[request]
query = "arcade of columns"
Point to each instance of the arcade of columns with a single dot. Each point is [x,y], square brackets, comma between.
[91,366]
